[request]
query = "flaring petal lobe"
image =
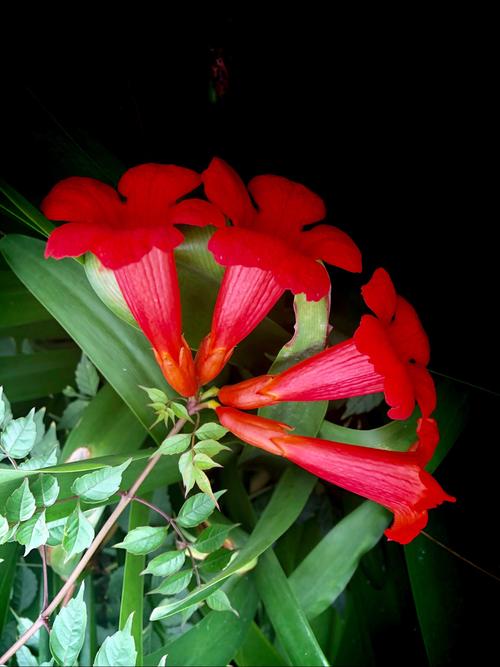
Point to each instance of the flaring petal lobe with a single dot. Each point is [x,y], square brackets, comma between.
[292,270]
[408,335]
[83,200]
[226,190]
[196,212]
[284,206]
[73,239]
[380,296]
[333,246]
[151,189]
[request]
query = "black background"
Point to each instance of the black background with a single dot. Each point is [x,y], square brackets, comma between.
[391,122]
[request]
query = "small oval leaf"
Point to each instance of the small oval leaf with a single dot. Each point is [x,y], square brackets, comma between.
[78,533]
[174,584]
[100,484]
[21,504]
[143,540]
[45,489]
[33,533]
[165,564]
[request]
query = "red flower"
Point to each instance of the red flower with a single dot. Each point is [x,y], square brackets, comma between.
[395,480]
[338,372]
[387,354]
[132,232]
[398,347]
[266,252]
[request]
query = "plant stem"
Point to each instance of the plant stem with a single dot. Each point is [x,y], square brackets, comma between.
[172,523]
[98,540]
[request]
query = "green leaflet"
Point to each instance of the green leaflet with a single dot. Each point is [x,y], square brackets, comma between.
[45,489]
[68,631]
[143,540]
[18,437]
[21,504]
[100,484]
[78,534]
[33,533]
[119,649]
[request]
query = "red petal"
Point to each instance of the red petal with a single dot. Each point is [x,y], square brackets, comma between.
[424,389]
[380,296]
[408,335]
[84,200]
[428,439]
[226,190]
[333,246]
[371,339]
[245,297]
[196,212]
[151,290]
[233,246]
[73,239]
[284,206]
[151,189]
[399,393]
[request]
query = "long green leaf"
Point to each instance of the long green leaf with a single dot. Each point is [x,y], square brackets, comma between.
[17,305]
[257,651]
[30,376]
[132,599]
[286,614]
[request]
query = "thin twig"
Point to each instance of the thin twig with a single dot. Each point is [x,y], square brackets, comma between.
[172,523]
[98,540]
[457,555]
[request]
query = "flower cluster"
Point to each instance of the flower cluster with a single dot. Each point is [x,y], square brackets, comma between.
[259,238]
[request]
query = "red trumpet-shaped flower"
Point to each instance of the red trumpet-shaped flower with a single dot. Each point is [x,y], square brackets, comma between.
[340,371]
[132,232]
[398,347]
[395,480]
[266,252]
[386,354]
